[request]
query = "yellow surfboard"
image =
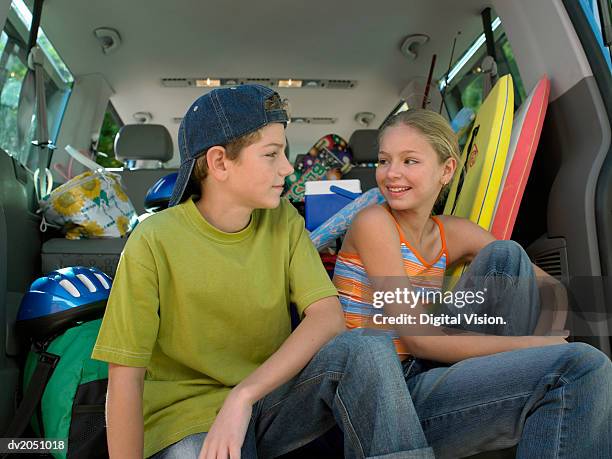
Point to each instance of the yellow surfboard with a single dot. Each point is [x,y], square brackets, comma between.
[474,190]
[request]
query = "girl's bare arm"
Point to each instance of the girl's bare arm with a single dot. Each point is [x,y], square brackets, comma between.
[375,238]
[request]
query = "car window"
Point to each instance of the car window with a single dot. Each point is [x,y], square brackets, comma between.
[106,141]
[463,84]
[13,69]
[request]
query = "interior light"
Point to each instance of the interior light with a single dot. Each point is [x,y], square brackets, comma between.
[290,83]
[208,83]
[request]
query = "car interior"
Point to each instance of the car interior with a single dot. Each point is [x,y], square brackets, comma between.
[118,77]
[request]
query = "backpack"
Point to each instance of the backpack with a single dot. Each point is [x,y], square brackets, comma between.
[72,404]
[64,389]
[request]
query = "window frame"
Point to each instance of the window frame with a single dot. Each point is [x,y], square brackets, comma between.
[458,82]
[17,31]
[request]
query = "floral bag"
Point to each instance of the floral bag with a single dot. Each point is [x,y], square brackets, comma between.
[90,205]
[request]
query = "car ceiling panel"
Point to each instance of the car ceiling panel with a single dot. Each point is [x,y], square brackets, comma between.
[357,40]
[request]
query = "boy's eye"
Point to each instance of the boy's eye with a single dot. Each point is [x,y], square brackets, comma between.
[382,161]
[272,154]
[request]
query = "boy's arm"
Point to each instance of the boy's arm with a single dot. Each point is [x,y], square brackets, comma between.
[124,422]
[323,320]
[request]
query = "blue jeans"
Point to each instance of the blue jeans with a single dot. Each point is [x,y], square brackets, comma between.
[503,271]
[355,381]
[552,401]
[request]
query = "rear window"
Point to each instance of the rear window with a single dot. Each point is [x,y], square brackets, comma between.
[463,84]
[106,140]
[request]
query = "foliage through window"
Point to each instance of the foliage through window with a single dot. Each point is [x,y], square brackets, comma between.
[110,127]
[13,72]
[463,85]
[57,82]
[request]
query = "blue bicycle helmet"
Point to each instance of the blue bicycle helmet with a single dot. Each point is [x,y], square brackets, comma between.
[61,299]
[158,196]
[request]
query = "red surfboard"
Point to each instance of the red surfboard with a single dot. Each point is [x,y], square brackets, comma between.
[524,140]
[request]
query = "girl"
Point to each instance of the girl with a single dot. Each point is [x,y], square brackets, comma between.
[471,392]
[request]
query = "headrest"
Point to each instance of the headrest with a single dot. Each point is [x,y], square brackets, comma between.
[364,144]
[144,141]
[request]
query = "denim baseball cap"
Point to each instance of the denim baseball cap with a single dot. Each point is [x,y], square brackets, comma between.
[217,118]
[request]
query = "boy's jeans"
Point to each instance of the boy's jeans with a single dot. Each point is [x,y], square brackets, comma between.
[354,381]
[553,401]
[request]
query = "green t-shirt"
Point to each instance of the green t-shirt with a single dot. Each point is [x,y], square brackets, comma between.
[201,309]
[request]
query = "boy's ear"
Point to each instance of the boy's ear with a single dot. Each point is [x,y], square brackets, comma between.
[216,160]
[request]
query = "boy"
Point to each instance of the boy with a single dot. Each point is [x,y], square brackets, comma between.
[197,328]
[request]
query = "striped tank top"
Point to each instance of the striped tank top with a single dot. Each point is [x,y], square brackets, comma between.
[355,290]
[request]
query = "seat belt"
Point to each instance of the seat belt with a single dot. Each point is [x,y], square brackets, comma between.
[43,178]
[489,63]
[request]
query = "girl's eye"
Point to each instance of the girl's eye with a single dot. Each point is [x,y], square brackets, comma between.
[272,155]
[382,161]
[410,161]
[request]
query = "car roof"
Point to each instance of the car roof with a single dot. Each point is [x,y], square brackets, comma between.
[358,41]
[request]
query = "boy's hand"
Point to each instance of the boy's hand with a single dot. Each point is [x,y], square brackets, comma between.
[226,435]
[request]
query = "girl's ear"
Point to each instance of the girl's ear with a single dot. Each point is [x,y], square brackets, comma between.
[450,165]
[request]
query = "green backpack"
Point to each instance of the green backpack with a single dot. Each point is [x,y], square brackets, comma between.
[72,404]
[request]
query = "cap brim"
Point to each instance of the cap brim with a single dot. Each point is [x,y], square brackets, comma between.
[181,182]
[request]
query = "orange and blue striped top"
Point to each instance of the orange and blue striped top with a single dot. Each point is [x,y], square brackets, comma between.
[355,289]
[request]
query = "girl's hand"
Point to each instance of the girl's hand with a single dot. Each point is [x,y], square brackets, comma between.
[225,438]
[537,341]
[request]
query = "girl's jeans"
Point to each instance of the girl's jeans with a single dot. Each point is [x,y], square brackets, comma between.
[552,401]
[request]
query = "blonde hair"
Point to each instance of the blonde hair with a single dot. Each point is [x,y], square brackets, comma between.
[232,149]
[436,131]
[432,126]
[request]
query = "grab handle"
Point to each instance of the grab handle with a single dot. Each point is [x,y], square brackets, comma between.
[344,193]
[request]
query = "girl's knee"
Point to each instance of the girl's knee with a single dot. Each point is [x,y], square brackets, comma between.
[591,358]
[504,250]
[505,257]
[588,366]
